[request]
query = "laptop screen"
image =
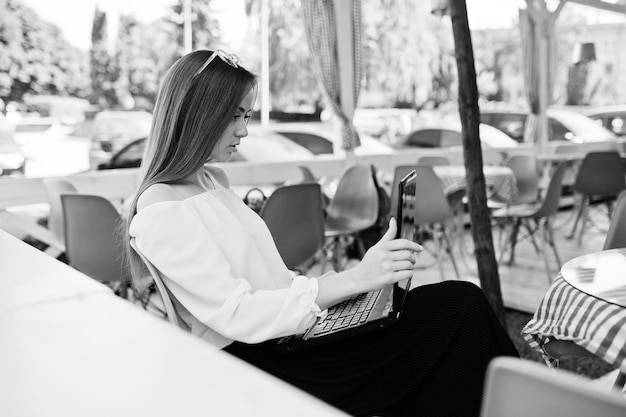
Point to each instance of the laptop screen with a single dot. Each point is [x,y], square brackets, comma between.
[404,219]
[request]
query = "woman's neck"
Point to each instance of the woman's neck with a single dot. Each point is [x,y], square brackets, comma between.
[202,179]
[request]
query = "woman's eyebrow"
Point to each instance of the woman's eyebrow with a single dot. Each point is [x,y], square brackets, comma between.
[241,109]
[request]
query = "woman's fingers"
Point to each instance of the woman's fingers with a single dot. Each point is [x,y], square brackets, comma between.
[402,275]
[404,255]
[402,266]
[399,244]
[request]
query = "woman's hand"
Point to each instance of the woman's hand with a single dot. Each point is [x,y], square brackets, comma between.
[389,260]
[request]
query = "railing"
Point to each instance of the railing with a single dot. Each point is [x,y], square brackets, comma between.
[120,183]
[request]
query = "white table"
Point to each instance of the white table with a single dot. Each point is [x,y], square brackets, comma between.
[586,304]
[71,348]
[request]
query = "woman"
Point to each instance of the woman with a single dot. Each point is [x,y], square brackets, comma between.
[232,289]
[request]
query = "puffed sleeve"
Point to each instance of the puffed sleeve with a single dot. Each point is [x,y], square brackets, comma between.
[204,264]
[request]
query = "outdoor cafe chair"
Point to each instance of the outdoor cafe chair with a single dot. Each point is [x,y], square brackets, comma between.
[576,153]
[352,209]
[295,217]
[520,387]
[600,178]
[54,188]
[307,174]
[535,219]
[170,311]
[92,240]
[616,234]
[525,167]
[431,215]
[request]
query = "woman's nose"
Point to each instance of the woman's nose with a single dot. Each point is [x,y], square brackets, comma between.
[242,130]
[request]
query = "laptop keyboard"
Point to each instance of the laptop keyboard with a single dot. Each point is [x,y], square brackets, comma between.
[349,313]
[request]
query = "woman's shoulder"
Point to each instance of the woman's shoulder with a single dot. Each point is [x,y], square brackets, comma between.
[161,192]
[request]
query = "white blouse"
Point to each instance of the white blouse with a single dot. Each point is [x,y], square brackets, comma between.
[219,261]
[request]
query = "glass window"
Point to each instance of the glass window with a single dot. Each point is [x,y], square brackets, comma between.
[450,138]
[427,138]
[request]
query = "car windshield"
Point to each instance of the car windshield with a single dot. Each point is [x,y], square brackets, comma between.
[582,126]
[314,143]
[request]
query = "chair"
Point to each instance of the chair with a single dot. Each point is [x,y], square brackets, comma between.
[92,241]
[170,311]
[433,160]
[526,170]
[353,208]
[615,238]
[432,212]
[601,176]
[492,156]
[525,167]
[616,235]
[534,217]
[307,174]
[54,188]
[575,152]
[400,172]
[521,388]
[295,217]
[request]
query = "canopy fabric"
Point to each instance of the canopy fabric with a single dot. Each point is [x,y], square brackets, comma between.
[321,30]
[529,26]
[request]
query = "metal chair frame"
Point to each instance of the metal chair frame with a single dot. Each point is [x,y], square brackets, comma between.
[534,218]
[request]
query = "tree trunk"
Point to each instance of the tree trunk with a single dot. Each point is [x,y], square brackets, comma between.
[472,155]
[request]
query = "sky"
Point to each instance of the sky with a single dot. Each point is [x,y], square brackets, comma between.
[75,17]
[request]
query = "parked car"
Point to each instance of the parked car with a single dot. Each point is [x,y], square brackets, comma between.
[610,117]
[129,156]
[12,161]
[113,130]
[258,146]
[447,134]
[35,129]
[265,146]
[563,125]
[323,138]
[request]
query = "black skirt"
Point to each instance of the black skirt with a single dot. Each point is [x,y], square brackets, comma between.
[432,362]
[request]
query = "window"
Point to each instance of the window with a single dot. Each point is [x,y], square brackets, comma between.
[427,138]
[450,138]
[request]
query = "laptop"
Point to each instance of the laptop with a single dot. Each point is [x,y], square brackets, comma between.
[365,312]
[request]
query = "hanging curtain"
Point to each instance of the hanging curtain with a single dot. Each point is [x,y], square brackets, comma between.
[529,24]
[321,30]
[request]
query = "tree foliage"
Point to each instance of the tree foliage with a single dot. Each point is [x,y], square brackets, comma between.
[205,32]
[103,68]
[34,57]
[408,53]
[291,79]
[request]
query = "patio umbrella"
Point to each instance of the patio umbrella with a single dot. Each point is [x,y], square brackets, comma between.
[338,73]
[537,35]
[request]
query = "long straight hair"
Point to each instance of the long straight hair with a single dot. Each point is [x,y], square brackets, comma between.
[190,115]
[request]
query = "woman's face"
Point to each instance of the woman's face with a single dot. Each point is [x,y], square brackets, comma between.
[237,129]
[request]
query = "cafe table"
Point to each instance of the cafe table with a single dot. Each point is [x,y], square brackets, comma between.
[500,181]
[586,304]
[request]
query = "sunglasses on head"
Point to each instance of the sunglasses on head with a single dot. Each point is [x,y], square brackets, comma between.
[227,57]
